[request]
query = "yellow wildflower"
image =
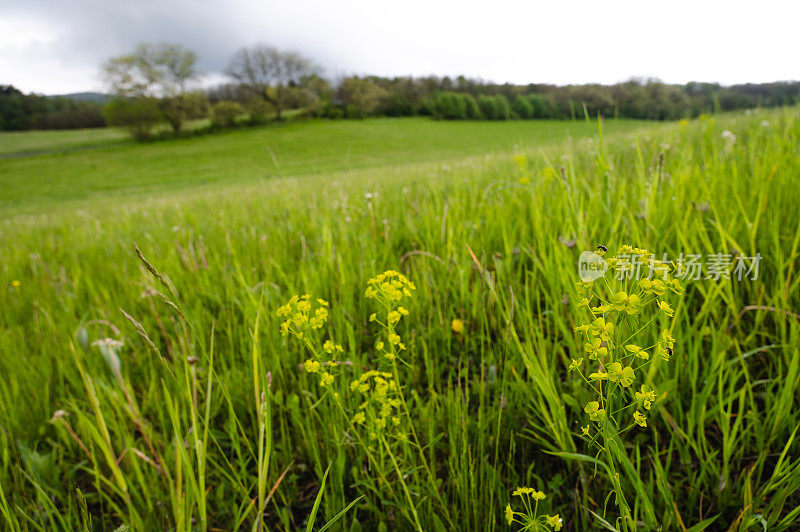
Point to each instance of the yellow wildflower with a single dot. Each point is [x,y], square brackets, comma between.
[659,287]
[520,491]
[595,412]
[602,309]
[582,328]
[667,339]
[311,366]
[629,303]
[595,350]
[509,514]
[457,326]
[598,376]
[554,521]
[637,351]
[639,419]
[675,286]
[624,375]
[646,396]
[602,329]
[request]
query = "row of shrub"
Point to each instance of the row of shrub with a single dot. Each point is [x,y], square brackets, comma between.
[358,97]
[462,106]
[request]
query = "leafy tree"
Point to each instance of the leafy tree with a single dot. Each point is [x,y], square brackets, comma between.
[473,112]
[502,108]
[539,106]
[160,72]
[360,97]
[224,114]
[270,74]
[450,106]
[315,95]
[138,115]
[487,105]
[12,109]
[522,107]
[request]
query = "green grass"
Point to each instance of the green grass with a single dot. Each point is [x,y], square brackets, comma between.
[26,143]
[112,171]
[209,422]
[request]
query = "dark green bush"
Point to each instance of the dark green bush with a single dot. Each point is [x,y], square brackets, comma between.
[502,109]
[225,114]
[450,106]
[539,107]
[522,107]
[471,107]
[487,106]
[138,115]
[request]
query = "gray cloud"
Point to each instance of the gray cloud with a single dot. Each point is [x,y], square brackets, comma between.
[520,41]
[87,32]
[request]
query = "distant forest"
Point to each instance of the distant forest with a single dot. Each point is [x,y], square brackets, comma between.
[20,111]
[309,95]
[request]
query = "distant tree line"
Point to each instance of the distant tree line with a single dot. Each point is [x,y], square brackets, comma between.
[20,111]
[467,99]
[155,84]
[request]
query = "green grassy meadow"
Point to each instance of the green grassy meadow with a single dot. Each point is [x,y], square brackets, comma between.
[199,414]
[105,168]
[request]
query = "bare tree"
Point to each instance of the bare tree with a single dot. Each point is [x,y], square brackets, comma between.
[155,71]
[269,73]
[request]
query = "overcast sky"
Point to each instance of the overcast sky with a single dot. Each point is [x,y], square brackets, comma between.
[56,46]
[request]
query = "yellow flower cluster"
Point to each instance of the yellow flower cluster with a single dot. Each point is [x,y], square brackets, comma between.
[619,319]
[382,394]
[302,315]
[383,411]
[381,403]
[314,366]
[389,287]
[529,517]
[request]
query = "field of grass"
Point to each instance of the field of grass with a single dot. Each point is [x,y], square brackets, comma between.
[112,171]
[26,143]
[158,392]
